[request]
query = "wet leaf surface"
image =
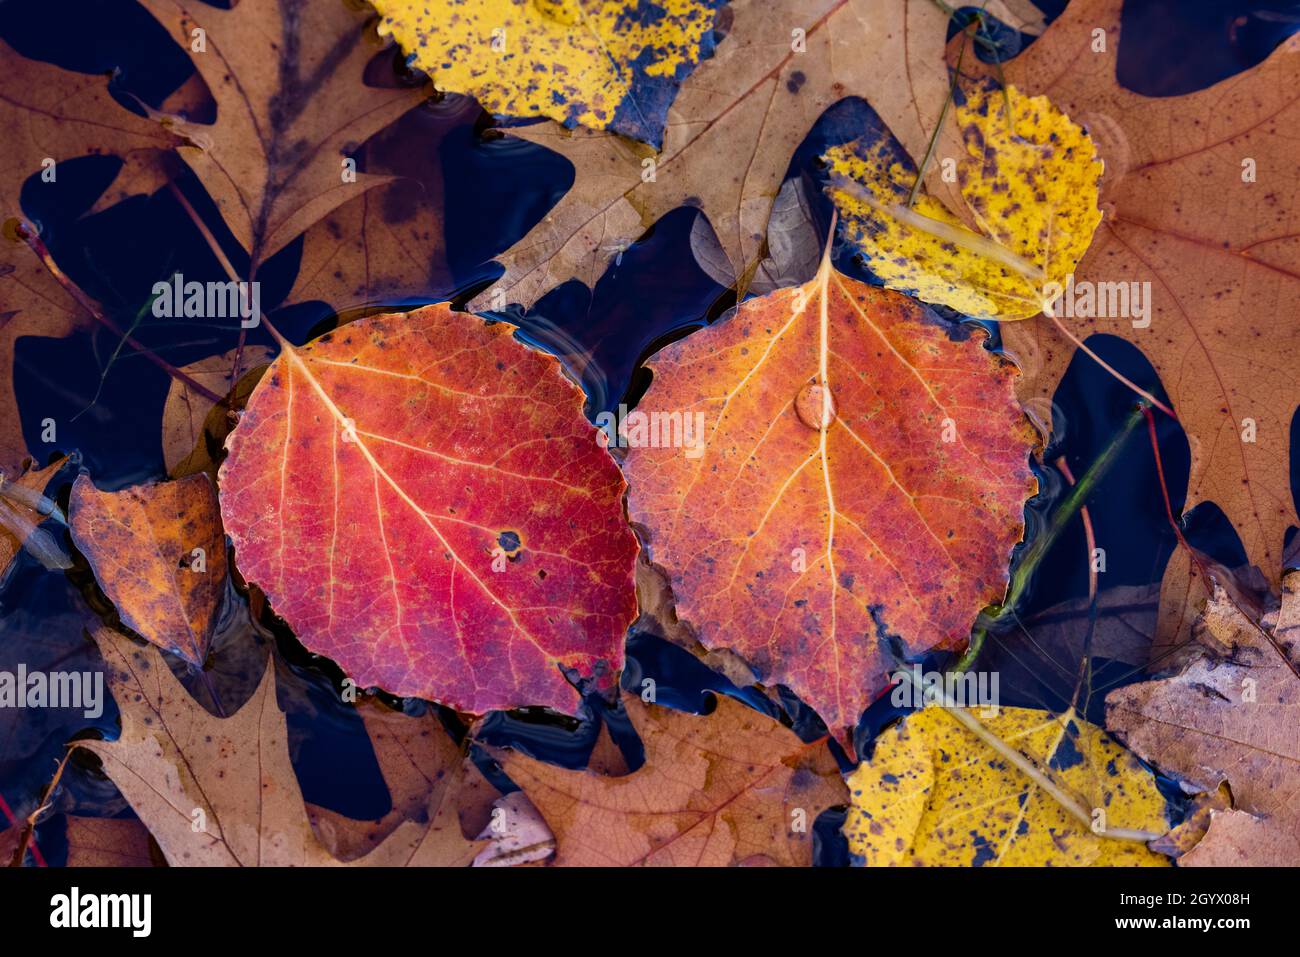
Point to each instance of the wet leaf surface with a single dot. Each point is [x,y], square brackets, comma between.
[935,794]
[852,476]
[420,497]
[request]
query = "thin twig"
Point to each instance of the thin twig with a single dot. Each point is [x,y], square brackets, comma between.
[28,234]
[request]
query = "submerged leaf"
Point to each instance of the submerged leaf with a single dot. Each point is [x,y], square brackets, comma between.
[49,115]
[734,126]
[422,500]
[935,794]
[1028,177]
[23,507]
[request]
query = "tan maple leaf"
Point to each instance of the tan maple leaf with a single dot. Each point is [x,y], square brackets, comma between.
[292,104]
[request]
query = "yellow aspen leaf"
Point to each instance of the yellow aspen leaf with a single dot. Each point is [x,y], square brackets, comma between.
[936,794]
[605,65]
[1030,180]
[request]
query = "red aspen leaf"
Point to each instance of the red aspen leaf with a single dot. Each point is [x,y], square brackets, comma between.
[142,544]
[801,528]
[422,500]
[287,77]
[222,792]
[727,788]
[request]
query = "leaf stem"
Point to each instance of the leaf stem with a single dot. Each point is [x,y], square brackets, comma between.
[1072,503]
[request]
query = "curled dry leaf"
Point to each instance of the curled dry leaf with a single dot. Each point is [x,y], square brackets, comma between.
[851,474]
[1228,718]
[1203,207]
[159,553]
[1188,833]
[222,791]
[23,507]
[732,787]
[731,132]
[516,834]
[935,794]
[422,500]
[793,244]
[1238,839]
[291,105]
[605,64]
[1029,178]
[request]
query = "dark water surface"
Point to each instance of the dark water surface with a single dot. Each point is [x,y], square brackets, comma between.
[493,189]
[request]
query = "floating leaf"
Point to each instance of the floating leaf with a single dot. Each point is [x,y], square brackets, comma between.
[159,553]
[1238,839]
[854,470]
[933,793]
[414,755]
[732,787]
[606,64]
[1029,177]
[421,498]
[108,842]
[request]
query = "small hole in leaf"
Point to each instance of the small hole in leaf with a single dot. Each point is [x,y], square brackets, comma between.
[509,541]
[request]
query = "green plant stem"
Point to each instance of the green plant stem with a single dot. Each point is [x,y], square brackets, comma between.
[1070,505]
